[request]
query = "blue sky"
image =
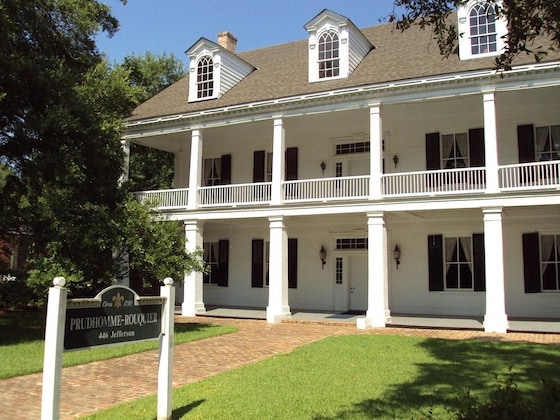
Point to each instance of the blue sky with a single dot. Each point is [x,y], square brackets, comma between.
[172,26]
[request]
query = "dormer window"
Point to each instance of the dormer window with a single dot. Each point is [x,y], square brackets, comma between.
[336,46]
[329,60]
[205,77]
[480,30]
[215,68]
[483,35]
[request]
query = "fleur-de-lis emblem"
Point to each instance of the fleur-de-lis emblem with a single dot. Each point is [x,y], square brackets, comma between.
[118,300]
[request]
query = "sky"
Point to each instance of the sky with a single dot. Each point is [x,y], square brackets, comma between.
[172,26]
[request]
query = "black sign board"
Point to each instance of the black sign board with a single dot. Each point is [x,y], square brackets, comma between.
[114,316]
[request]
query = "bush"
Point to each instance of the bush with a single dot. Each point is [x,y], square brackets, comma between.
[14,291]
[506,401]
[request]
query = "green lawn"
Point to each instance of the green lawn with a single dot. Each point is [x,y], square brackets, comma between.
[22,343]
[357,377]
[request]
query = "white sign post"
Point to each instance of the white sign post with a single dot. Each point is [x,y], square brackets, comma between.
[54,339]
[117,315]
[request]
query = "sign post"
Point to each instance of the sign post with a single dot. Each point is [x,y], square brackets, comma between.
[117,315]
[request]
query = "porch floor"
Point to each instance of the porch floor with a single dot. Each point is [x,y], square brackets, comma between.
[397,320]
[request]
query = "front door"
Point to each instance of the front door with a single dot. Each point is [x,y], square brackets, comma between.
[357,274]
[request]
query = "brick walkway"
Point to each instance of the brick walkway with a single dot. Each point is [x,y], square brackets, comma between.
[99,385]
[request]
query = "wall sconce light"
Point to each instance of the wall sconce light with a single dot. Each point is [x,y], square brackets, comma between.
[323,256]
[395,160]
[323,166]
[397,255]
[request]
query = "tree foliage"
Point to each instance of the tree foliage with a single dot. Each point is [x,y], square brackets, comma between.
[61,112]
[528,21]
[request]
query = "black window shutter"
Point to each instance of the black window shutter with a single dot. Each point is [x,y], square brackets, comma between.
[223,262]
[257,263]
[479,262]
[433,158]
[292,263]
[526,143]
[435,262]
[476,147]
[531,263]
[291,163]
[258,166]
[226,170]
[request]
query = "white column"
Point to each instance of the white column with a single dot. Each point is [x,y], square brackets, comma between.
[495,319]
[378,313]
[193,302]
[166,340]
[278,307]
[125,144]
[490,143]
[376,150]
[278,161]
[195,175]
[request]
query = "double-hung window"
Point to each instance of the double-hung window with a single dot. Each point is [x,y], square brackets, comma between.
[550,262]
[547,141]
[455,151]
[458,263]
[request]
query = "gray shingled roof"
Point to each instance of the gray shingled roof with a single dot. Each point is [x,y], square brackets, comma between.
[282,71]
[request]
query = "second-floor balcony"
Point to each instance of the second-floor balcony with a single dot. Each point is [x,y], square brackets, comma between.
[468,181]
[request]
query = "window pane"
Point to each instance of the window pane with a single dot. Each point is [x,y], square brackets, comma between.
[549,276]
[452,277]
[466,276]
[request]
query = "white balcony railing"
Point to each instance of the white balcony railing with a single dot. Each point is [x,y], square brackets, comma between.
[165,199]
[324,189]
[235,194]
[525,176]
[445,181]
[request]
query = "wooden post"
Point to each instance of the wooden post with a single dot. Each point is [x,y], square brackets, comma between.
[165,370]
[54,341]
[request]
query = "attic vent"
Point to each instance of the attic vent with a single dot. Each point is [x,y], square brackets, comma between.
[228,41]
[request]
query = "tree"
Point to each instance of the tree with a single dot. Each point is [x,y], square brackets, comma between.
[61,112]
[528,21]
[151,169]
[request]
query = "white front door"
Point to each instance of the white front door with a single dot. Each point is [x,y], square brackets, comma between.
[357,283]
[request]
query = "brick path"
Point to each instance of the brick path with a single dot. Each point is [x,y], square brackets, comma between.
[99,385]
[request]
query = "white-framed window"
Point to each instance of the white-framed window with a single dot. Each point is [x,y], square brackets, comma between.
[454,151]
[205,78]
[210,255]
[481,30]
[458,263]
[352,243]
[550,262]
[212,171]
[547,143]
[329,55]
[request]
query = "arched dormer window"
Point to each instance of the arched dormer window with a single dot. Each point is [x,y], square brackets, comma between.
[483,33]
[336,47]
[329,58]
[481,29]
[205,77]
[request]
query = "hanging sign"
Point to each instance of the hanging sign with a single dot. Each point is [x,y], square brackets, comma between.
[116,315]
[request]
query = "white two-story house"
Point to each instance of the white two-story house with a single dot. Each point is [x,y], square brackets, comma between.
[358,170]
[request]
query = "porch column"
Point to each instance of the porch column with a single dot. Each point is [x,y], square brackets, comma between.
[125,144]
[378,313]
[278,308]
[495,319]
[278,161]
[195,175]
[193,302]
[375,154]
[491,143]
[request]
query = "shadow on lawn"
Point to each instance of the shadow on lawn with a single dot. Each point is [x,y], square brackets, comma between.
[178,413]
[473,365]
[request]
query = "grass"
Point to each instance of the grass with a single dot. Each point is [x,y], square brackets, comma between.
[22,343]
[357,377]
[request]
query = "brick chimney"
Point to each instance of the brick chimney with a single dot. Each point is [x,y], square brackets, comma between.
[228,41]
